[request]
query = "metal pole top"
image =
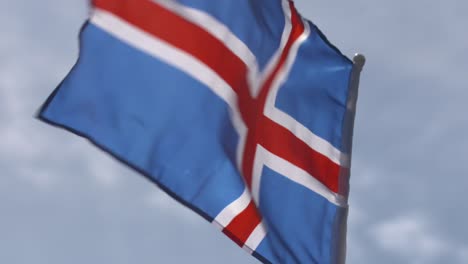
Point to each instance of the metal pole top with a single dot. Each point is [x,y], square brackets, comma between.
[359,60]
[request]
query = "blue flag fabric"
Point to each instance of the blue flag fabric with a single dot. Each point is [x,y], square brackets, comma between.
[235,108]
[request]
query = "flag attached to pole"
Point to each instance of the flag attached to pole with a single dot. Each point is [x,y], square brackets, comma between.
[241,110]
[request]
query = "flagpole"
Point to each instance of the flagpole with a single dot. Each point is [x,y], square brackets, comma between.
[358,64]
[359,59]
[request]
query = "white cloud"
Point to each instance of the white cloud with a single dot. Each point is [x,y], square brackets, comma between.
[39,178]
[408,235]
[463,254]
[157,199]
[414,239]
[103,168]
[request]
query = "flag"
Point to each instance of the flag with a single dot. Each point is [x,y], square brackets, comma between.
[241,110]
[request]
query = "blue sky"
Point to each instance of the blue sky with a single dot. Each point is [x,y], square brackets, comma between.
[63,201]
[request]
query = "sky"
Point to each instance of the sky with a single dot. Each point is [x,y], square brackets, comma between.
[64,201]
